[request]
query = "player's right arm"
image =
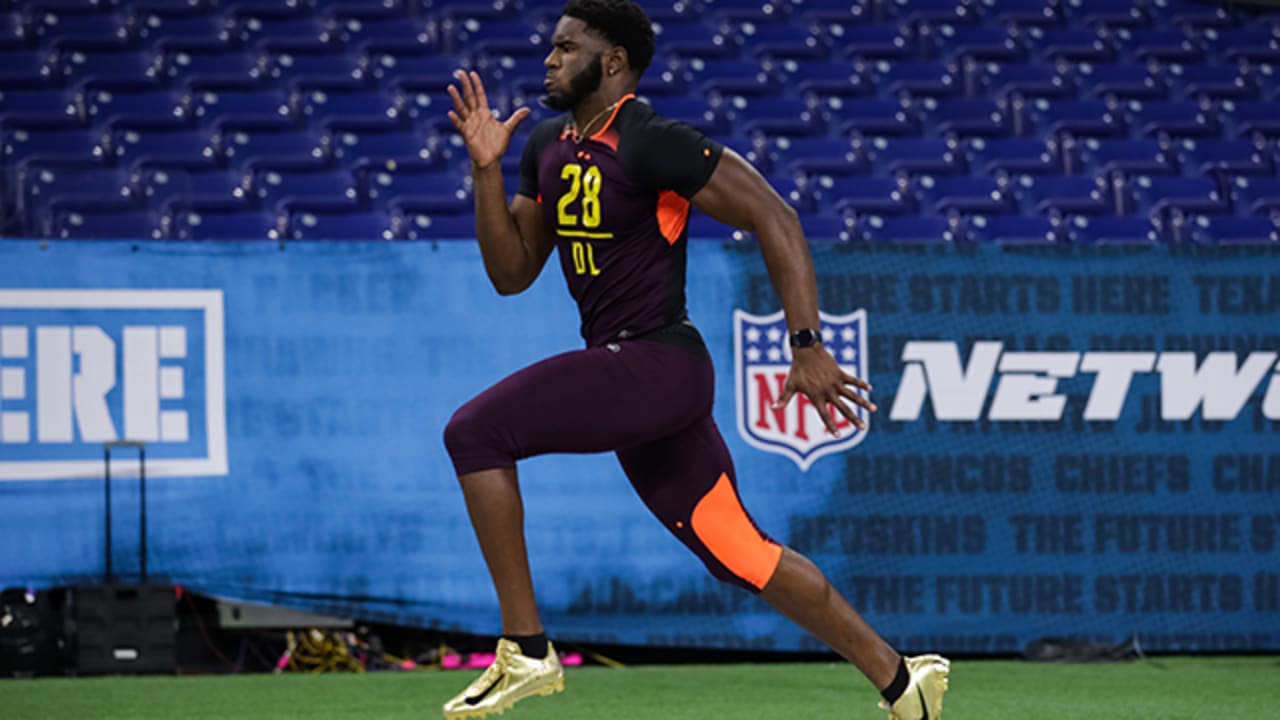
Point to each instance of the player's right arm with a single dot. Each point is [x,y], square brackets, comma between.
[515,241]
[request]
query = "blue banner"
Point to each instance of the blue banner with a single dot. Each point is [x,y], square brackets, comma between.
[1071,441]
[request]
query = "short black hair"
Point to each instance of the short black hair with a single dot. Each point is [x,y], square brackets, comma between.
[621,22]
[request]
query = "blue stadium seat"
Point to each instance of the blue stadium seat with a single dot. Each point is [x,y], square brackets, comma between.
[317,100]
[40,181]
[1031,81]
[962,195]
[814,156]
[1210,82]
[336,223]
[183,59]
[656,81]
[1162,196]
[411,225]
[1227,230]
[210,99]
[695,111]
[729,77]
[157,182]
[1251,45]
[421,99]
[175,21]
[53,18]
[350,142]
[1023,13]
[1011,230]
[773,116]
[1067,44]
[38,99]
[101,100]
[1254,195]
[818,12]
[239,139]
[216,220]
[826,228]
[390,63]
[728,12]
[284,60]
[1190,13]
[914,79]
[1122,230]
[823,79]
[977,43]
[13,31]
[379,185]
[1063,195]
[1114,82]
[512,38]
[81,59]
[862,196]
[1253,119]
[273,182]
[875,118]
[1129,157]
[101,218]
[355,32]
[23,137]
[469,10]
[692,40]
[1078,118]
[913,156]
[1017,156]
[130,139]
[248,25]
[24,67]
[779,42]
[873,42]
[1157,45]
[1224,157]
[1172,119]
[705,227]
[905,230]
[1106,13]
[915,12]
[965,118]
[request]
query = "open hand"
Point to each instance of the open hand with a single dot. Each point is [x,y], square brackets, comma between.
[818,376]
[485,136]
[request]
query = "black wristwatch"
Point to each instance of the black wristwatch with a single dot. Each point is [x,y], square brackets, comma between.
[805,337]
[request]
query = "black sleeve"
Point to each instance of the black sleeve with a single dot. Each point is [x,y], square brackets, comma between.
[672,155]
[529,158]
[529,170]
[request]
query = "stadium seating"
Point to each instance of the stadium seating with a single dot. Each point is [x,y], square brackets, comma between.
[990,121]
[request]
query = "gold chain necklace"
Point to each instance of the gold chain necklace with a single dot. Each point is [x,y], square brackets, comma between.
[582,134]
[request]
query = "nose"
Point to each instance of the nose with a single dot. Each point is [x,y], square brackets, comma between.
[551,60]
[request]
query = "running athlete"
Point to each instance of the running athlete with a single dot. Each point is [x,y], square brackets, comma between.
[609,184]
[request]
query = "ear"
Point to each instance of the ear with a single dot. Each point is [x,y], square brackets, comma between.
[616,60]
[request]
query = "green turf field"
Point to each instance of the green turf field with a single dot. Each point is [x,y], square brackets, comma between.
[1160,689]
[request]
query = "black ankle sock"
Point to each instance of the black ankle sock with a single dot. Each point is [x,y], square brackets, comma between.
[899,684]
[535,646]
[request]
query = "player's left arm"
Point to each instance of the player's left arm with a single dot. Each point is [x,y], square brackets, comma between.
[737,195]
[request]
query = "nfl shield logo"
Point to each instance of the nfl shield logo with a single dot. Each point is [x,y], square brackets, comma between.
[762,359]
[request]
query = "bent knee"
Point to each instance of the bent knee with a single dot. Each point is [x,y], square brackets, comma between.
[474,442]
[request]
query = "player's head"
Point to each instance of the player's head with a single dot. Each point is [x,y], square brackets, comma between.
[595,40]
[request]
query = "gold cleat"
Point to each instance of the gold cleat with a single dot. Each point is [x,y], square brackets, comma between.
[511,678]
[922,700]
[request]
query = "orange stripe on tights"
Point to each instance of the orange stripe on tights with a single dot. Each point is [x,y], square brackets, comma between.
[721,523]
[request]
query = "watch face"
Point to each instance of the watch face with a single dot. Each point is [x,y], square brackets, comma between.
[804,338]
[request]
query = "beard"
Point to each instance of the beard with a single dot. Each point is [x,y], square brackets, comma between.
[582,85]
